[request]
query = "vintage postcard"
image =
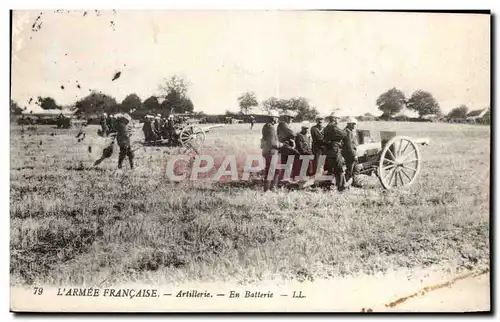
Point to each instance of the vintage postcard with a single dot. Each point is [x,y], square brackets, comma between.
[250,161]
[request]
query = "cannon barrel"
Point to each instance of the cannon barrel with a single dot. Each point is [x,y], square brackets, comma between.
[375,147]
[208,128]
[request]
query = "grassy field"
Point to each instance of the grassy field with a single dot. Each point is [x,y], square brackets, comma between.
[75,224]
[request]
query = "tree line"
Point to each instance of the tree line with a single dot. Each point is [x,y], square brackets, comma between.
[300,105]
[172,97]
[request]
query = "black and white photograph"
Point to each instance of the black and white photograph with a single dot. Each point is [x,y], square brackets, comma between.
[250,161]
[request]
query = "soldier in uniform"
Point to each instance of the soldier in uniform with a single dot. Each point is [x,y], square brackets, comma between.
[303,146]
[333,137]
[123,132]
[111,122]
[285,133]
[252,122]
[147,129]
[171,135]
[349,151]
[104,125]
[302,140]
[317,140]
[157,126]
[269,146]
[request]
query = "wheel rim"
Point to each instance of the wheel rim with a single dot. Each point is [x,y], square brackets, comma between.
[192,137]
[399,163]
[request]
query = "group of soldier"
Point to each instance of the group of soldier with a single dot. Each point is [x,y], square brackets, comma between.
[158,127]
[338,145]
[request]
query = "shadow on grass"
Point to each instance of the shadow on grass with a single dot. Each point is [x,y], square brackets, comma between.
[84,168]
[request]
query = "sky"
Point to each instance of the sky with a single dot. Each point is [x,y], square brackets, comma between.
[337,60]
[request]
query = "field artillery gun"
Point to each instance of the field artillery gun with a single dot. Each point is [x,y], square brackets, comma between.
[191,136]
[187,133]
[396,160]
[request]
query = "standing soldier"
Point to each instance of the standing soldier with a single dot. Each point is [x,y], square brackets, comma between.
[157,126]
[317,140]
[285,133]
[303,146]
[104,125]
[349,151]
[170,128]
[123,132]
[333,137]
[147,128]
[252,122]
[269,146]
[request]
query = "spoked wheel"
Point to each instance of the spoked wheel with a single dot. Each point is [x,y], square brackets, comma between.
[399,163]
[192,137]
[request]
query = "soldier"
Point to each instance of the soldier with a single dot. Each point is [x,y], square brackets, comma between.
[157,125]
[269,146]
[285,133]
[252,122]
[302,140]
[123,132]
[317,140]
[111,122]
[333,137]
[104,125]
[303,146]
[171,135]
[147,128]
[349,152]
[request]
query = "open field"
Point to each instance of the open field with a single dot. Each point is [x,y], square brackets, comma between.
[74,224]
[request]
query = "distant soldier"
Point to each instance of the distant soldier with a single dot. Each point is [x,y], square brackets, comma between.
[147,129]
[269,146]
[157,125]
[123,132]
[333,137]
[349,152]
[252,122]
[104,125]
[171,135]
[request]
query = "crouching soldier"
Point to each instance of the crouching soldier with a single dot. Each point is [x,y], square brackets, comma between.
[349,152]
[123,132]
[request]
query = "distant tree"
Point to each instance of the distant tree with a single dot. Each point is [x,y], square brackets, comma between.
[96,103]
[47,103]
[176,103]
[247,101]
[174,84]
[458,112]
[423,103]
[276,104]
[391,102]
[271,104]
[229,113]
[174,91]
[301,106]
[151,105]
[131,102]
[14,108]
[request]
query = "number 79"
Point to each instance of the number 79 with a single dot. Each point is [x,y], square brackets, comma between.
[38,290]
